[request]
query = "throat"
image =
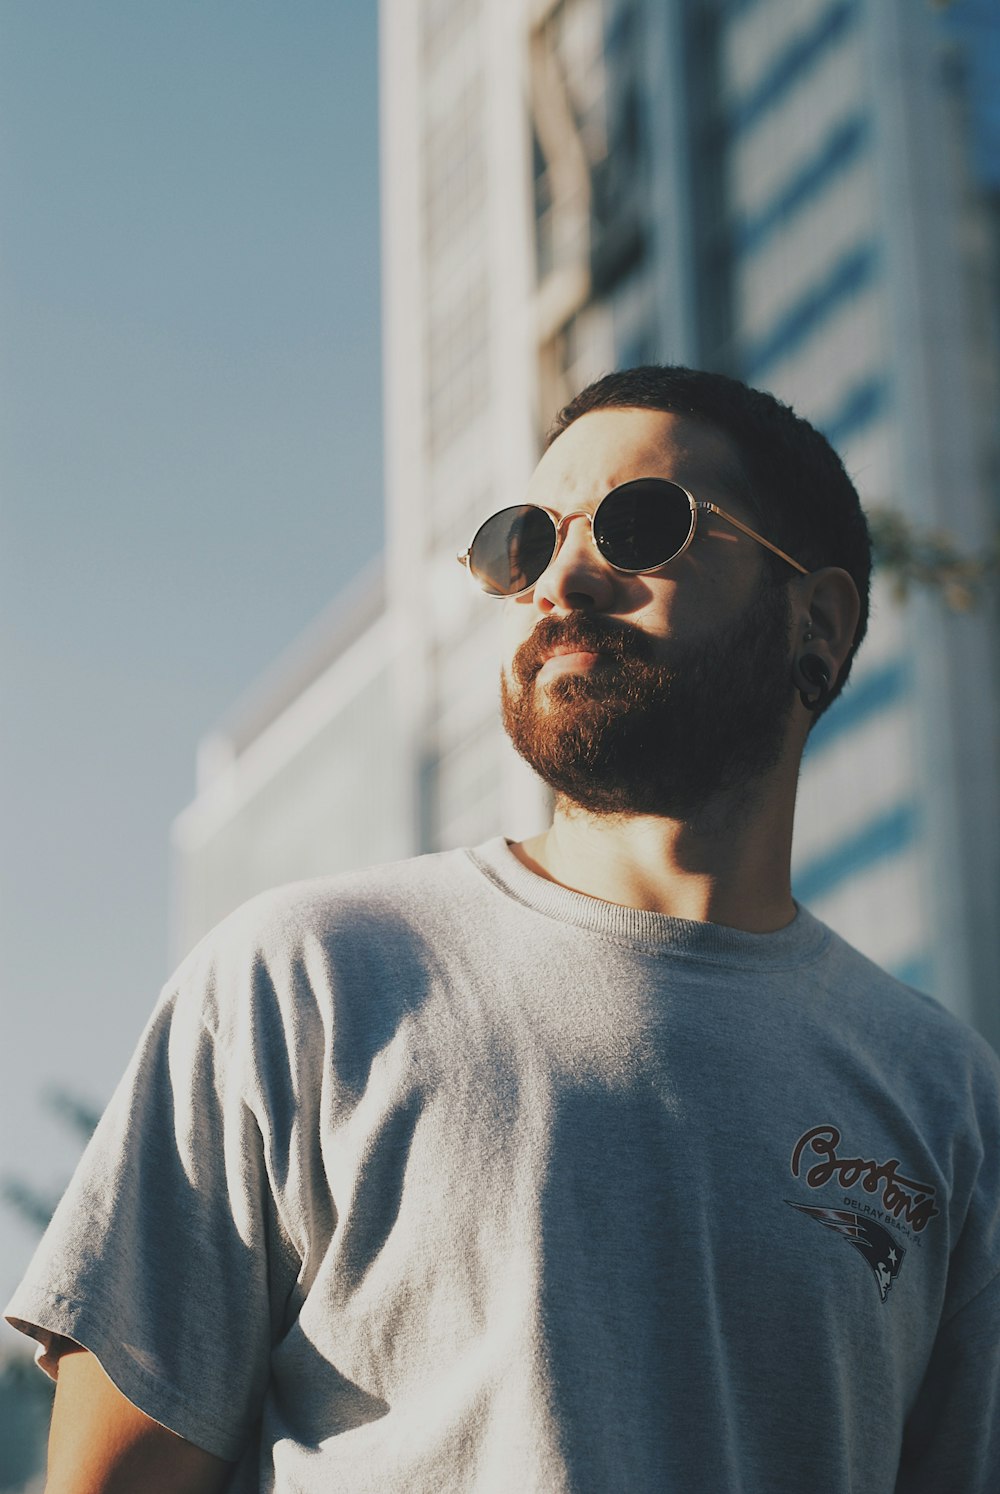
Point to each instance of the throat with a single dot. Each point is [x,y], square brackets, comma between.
[672,868]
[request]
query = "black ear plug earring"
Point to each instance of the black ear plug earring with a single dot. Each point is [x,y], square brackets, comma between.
[816,673]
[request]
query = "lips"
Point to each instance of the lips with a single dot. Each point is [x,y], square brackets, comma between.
[568,648]
[575,658]
[556,637]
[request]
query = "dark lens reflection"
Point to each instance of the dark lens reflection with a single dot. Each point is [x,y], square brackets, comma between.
[640,525]
[512,549]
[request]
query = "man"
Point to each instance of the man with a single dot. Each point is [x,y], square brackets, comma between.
[592,1163]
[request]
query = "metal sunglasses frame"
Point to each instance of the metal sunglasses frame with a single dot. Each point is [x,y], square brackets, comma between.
[695,505]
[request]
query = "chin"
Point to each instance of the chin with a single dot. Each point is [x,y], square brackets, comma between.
[658,748]
[642,738]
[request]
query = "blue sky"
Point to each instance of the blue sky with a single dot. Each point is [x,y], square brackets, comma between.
[190,466]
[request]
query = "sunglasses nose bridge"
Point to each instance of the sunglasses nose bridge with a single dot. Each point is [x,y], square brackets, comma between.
[562,527]
[577,513]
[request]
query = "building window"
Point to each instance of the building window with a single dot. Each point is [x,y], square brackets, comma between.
[444,23]
[455,171]
[458,364]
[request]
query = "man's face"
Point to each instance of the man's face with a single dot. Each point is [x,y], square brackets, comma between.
[647,694]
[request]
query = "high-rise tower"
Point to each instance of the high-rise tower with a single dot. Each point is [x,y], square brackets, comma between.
[803,195]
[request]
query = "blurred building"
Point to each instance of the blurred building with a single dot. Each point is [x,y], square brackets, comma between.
[304,777]
[804,195]
[25,1411]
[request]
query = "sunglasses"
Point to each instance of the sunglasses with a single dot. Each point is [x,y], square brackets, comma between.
[640,526]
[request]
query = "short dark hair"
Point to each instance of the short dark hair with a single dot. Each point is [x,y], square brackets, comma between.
[794,480]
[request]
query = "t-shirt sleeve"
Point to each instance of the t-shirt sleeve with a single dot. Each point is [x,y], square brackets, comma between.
[163,1255]
[953,1433]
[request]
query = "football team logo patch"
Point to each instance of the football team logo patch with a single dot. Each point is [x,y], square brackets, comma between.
[883,1253]
[896,1204]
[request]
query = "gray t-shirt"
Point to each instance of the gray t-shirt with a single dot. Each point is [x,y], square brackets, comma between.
[440,1177]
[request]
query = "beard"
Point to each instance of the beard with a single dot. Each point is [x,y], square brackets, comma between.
[638,735]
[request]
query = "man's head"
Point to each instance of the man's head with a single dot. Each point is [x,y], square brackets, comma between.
[786,472]
[671,685]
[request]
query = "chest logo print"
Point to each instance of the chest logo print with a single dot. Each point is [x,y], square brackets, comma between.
[880,1250]
[907,1204]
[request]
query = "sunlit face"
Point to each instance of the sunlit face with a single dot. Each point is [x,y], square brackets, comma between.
[712,581]
[646,693]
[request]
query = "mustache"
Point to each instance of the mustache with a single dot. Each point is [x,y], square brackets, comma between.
[588,634]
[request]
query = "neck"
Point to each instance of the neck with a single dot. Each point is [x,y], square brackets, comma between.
[729,864]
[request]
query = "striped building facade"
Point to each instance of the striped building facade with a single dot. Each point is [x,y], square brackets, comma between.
[797,194]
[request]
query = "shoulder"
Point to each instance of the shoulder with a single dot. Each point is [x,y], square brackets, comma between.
[286,915]
[929,1044]
[302,945]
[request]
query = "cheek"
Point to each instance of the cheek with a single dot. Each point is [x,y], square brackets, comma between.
[676,618]
[660,612]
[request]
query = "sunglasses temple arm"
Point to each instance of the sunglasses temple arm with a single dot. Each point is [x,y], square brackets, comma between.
[755,536]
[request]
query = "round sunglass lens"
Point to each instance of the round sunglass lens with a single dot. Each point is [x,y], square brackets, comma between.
[643,524]
[512,549]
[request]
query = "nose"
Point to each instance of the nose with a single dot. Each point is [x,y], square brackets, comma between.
[577,578]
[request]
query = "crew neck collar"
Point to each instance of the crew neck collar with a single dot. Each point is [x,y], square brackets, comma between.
[655,933]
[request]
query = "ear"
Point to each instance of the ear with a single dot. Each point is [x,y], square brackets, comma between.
[825,618]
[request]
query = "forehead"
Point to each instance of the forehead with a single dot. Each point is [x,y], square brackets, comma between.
[607,447]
